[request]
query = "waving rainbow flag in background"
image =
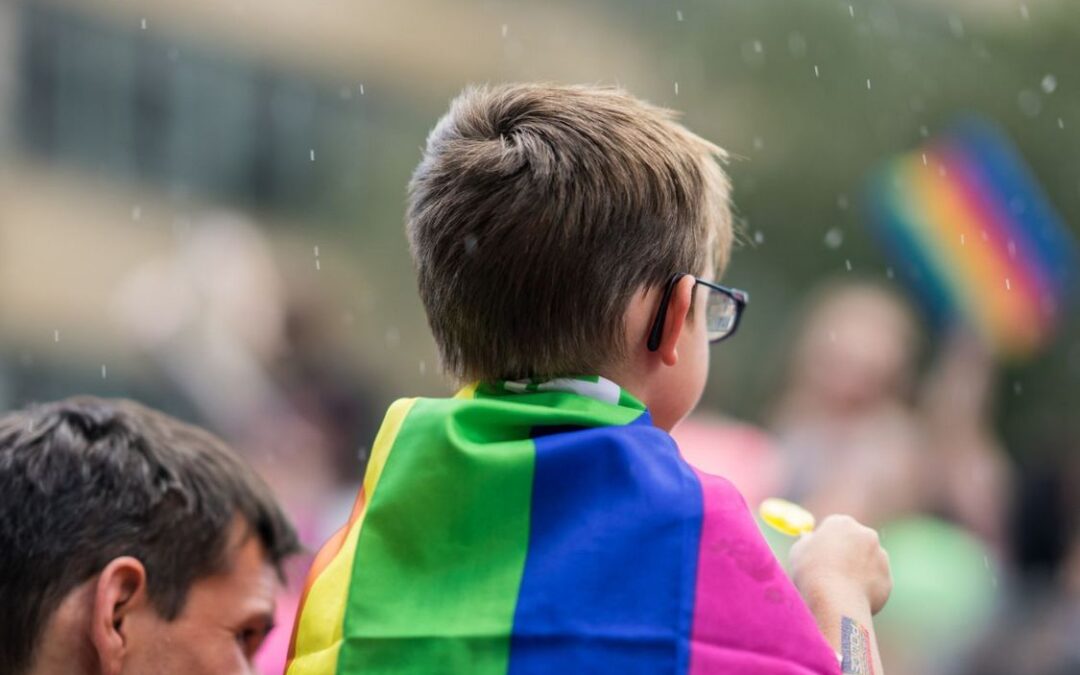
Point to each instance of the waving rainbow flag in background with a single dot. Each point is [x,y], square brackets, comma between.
[546,527]
[975,238]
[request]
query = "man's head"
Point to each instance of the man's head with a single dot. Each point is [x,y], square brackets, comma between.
[538,213]
[131,542]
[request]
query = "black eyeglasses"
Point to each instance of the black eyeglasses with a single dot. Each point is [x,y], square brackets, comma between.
[722,311]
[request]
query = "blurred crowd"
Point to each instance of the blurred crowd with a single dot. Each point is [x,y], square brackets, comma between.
[875,419]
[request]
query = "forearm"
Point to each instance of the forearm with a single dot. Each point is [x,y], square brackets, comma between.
[844,619]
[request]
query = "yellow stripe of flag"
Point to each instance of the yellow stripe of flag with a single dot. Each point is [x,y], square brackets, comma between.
[320,620]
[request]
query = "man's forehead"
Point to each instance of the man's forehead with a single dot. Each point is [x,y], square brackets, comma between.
[247,561]
[247,581]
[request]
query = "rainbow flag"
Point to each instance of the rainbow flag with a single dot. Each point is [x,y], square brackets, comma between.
[546,527]
[975,238]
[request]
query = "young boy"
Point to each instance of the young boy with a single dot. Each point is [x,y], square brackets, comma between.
[566,241]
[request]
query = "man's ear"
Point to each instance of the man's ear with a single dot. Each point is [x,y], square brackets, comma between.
[120,590]
[678,312]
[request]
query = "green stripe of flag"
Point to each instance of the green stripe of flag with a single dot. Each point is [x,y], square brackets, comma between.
[440,558]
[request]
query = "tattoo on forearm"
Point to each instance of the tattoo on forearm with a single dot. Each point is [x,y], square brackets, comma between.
[855,654]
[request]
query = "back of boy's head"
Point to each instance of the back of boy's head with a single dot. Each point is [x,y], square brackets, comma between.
[538,211]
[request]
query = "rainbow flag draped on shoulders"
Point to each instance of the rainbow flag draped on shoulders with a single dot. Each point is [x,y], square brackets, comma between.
[546,527]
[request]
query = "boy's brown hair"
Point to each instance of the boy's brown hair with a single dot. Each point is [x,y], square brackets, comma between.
[538,211]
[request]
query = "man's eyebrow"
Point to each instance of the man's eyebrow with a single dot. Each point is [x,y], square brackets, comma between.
[263,617]
[257,605]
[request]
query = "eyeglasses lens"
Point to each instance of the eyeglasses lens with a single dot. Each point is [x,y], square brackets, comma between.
[721,311]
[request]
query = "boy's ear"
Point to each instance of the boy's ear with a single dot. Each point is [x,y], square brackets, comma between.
[120,590]
[678,312]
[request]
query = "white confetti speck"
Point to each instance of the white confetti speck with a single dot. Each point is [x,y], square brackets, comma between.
[759,237]
[505,29]
[56,335]
[136,212]
[1061,123]
[834,238]
[851,10]
[817,73]
[143,24]
[104,372]
[1030,103]
[753,52]
[676,88]
[1049,84]
[1024,14]
[924,159]
[678,15]
[313,154]
[361,88]
[868,83]
[1008,286]
[847,264]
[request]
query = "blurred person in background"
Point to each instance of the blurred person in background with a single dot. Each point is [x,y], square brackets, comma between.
[862,435]
[253,356]
[850,438]
[859,434]
[212,315]
[132,543]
